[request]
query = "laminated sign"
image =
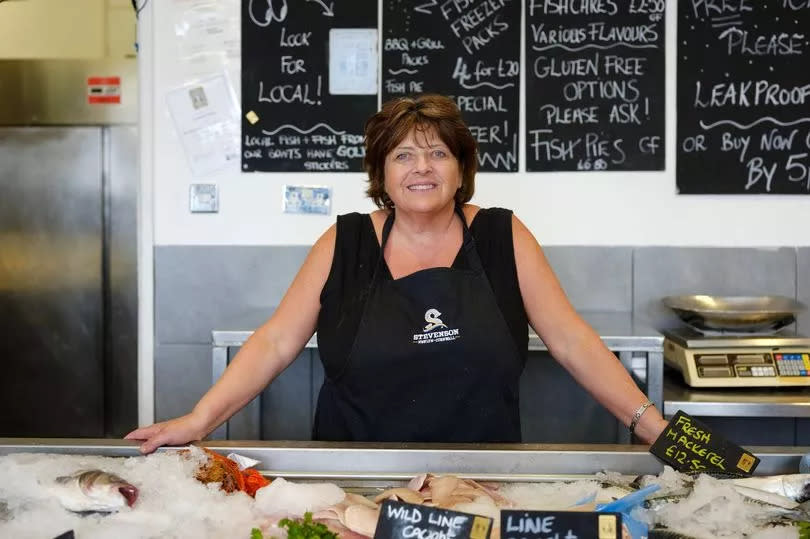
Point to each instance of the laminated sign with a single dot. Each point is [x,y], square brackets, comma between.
[690,446]
[405,520]
[560,524]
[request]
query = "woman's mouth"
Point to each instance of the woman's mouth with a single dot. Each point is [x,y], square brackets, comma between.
[422,187]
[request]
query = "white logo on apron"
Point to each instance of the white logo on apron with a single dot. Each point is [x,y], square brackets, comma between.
[429,336]
[433,320]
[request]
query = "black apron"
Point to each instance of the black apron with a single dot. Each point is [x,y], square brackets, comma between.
[433,361]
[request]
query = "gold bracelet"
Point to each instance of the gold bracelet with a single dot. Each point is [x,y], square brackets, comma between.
[637,416]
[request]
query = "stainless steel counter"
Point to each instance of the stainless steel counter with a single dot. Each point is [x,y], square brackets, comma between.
[639,347]
[618,330]
[737,402]
[359,461]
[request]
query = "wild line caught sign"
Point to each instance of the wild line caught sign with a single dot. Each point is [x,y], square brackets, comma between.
[399,520]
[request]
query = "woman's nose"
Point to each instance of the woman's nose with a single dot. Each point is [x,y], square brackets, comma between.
[423,162]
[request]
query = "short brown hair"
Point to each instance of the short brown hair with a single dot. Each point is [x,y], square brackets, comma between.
[388,127]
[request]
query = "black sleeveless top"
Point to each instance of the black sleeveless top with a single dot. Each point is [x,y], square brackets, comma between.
[356,253]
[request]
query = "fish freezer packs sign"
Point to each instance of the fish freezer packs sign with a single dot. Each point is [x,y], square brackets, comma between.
[408,521]
[560,524]
[467,50]
[690,446]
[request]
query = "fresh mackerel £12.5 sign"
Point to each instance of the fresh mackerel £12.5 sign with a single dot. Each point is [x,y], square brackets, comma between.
[688,445]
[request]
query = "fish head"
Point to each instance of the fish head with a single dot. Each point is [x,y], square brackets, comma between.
[797,487]
[106,491]
[130,492]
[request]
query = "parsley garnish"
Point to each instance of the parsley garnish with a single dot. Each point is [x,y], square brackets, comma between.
[306,529]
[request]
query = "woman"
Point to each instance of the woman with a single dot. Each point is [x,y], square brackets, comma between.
[421,308]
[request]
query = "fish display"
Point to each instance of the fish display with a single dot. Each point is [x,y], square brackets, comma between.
[94,491]
[702,506]
[192,493]
[355,516]
[685,507]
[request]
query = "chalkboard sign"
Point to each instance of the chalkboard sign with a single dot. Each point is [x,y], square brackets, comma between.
[688,445]
[743,97]
[309,83]
[560,524]
[405,520]
[469,50]
[595,85]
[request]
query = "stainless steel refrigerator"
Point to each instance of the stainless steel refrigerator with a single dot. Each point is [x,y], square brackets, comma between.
[68,259]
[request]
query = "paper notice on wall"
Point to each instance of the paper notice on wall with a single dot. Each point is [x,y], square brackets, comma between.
[208,35]
[207,27]
[352,61]
[206,118]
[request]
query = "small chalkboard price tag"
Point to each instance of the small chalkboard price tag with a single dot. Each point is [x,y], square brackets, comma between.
[560,525]
[690,446]
[404,520]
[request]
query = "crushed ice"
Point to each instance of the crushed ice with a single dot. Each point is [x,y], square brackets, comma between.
[173,504]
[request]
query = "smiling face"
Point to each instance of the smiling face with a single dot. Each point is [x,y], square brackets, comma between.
[421,174]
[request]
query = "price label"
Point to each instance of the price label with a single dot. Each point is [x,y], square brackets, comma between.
[688,445]
[408,521]
[560,525]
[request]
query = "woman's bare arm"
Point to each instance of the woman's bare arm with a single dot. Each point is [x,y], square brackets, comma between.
[572,342]
[269,351]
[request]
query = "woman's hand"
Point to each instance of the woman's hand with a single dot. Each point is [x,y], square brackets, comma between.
[178,431]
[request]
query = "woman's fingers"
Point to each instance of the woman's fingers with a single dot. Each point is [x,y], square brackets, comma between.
[159,439]
[144,433]
[150,436]
[173,432]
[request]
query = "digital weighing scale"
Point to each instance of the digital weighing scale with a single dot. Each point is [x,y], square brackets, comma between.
[717,359]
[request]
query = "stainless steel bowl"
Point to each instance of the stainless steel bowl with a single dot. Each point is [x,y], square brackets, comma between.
[735,313]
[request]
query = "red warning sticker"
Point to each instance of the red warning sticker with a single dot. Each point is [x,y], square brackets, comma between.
[103,90]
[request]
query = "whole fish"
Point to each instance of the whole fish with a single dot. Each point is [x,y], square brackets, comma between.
[793,486]
[94,490]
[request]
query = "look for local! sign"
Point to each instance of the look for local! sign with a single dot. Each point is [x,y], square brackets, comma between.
[690,446]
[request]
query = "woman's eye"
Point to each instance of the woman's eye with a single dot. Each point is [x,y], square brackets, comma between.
[439,154]
[402,156]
